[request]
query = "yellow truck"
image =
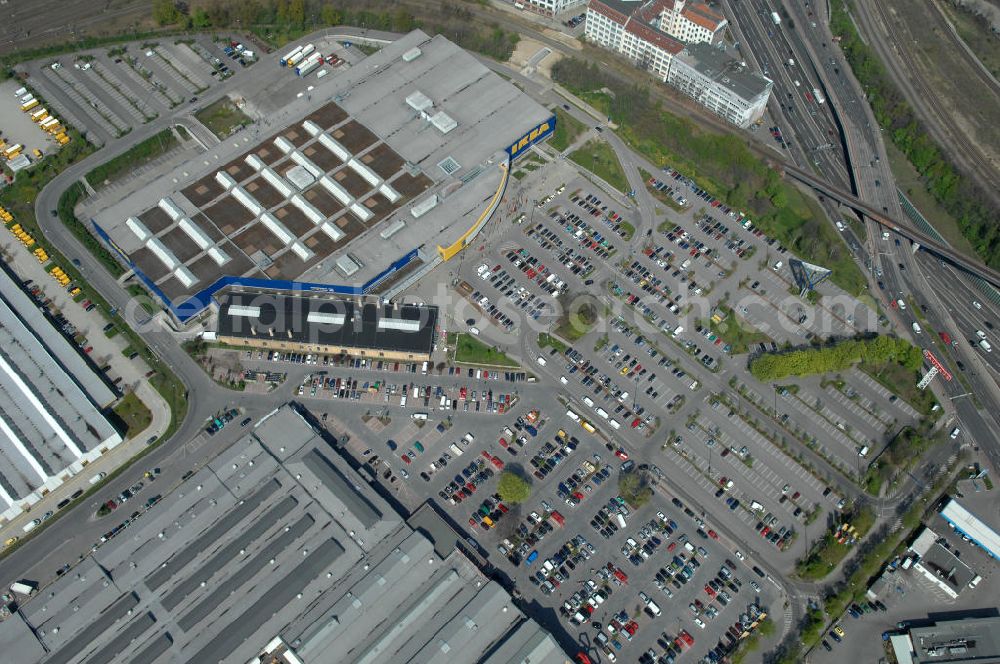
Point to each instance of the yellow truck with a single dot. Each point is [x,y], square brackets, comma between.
[28,105]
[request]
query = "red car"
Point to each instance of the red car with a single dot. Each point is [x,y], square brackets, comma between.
[405,458]
[688,639]
[498,462]
[708,591]
[621,576]
[636,422]
[487,455]
[671,547]
[461,393]
[713,534]
[621,454]
[632,627]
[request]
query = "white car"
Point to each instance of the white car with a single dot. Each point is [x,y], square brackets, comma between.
[739,554]
[563,380]
[755,586]
[955,432]
[977,305]
[980,334]
[699,622]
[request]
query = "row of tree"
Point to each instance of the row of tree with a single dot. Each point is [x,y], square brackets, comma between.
[836,357]
[961,197]
[292,18]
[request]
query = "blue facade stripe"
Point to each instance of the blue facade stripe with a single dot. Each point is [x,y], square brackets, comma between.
[197,302]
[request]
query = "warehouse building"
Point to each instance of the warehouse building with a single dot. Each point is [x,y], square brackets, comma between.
[939,565]
[386,166]
[968,524]
[327,326]
[51,403]
[963,641]
[279,550]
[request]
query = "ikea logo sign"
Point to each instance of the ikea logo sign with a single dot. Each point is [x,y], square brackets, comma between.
[542,131]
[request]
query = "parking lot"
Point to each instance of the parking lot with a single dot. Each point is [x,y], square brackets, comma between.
[107,92]
[578,546]
[654,363]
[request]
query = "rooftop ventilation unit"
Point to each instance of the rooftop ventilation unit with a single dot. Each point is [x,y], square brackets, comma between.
[424,206]
[443,122]
[419,102]
[412,54]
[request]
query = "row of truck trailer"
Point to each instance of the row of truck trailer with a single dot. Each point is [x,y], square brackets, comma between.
[306,58]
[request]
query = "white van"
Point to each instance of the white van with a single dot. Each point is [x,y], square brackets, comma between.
[98,477]
[615,424]
[541,360]
[589,402]
[423,369]
[31,525]
[777,266]
[955,432]
[916,328]
[863,452]
[653,608]
[603,413]
[621,520]
[975,581]
[572,415]
[985,345]
[456,450]
[419,416]
[402,401]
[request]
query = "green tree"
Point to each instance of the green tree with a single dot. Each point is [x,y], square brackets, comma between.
[402,21]
[200,18]
[634,488]
[330,15]
[165,13]
[297,12]
[513,488]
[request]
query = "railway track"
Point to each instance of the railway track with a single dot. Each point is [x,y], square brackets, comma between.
[926,100]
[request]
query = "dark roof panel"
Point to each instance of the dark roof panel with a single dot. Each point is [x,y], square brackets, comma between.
[328,322]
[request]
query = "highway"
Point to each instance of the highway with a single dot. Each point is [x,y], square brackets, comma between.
[77,530]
